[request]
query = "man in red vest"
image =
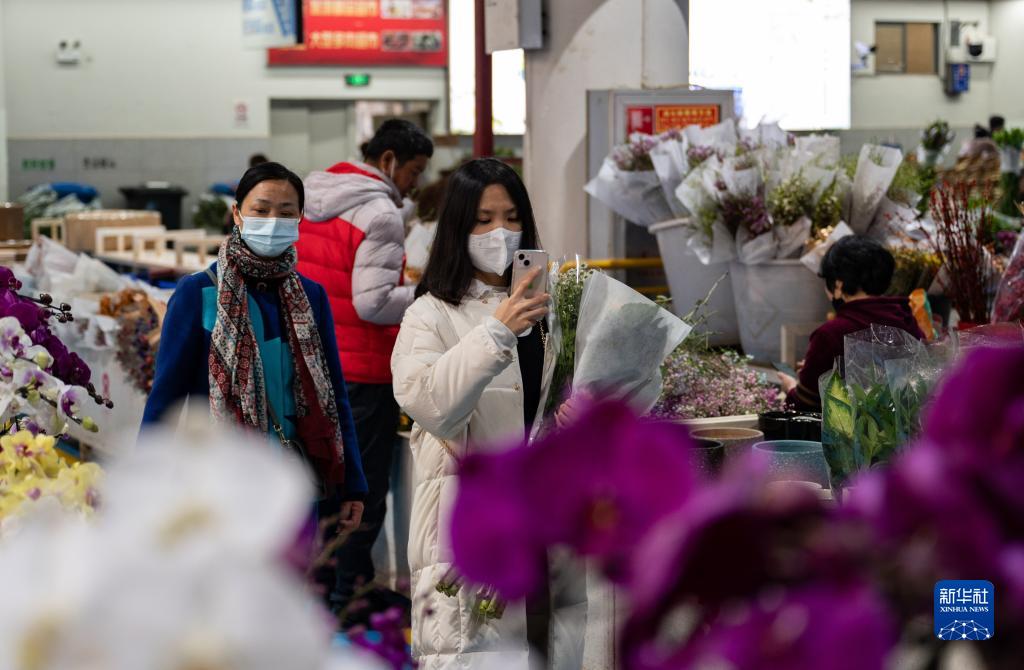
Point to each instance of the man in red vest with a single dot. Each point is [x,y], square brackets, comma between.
[352,242]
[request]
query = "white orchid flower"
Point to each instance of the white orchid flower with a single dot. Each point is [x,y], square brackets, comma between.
[185,496]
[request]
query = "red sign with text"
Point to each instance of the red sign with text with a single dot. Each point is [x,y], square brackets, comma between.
[654,120]
[670,117]
[369,32]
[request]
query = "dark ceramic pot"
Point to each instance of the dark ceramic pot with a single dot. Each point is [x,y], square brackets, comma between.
[709,454]
[790,426]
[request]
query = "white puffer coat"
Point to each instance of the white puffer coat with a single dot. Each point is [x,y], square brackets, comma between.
[464,393]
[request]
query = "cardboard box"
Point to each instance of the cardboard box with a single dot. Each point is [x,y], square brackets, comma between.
[80,227]
[12,221]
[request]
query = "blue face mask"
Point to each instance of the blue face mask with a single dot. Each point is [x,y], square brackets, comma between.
[269,237]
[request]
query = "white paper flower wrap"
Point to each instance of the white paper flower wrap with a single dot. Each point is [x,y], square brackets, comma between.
[871,183]
[635,196]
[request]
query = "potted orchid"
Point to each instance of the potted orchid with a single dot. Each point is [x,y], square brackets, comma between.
[43,386]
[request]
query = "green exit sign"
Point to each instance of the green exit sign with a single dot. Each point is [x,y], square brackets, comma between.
[38,164]
[357,80]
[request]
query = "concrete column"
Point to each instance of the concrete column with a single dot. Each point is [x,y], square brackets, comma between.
[4,193]
[591,45]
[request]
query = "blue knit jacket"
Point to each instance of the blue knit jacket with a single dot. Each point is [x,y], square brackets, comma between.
[182,364]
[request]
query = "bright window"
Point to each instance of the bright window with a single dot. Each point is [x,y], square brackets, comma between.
[790,59]
[508,78]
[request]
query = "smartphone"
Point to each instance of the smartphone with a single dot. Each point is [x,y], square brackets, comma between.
[526,261]
[785,369]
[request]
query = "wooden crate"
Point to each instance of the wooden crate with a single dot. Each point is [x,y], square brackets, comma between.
[80,227]
[12,221]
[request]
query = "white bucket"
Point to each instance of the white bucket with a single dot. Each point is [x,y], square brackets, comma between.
[690,281]
[1009,160]
[770,295]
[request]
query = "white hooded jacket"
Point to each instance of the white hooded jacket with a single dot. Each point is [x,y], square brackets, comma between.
[458,377]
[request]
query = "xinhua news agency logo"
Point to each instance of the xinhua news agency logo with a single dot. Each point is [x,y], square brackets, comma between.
[965,610]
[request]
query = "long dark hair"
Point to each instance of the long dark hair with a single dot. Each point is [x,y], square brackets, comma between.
[449,270]
[268,172]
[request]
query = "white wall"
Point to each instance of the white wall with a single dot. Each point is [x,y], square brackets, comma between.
[591,44]
[1007,90]
[4,191]
[163,69]
[891,101]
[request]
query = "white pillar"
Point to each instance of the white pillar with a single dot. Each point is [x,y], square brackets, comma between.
[590,45]
[4,193]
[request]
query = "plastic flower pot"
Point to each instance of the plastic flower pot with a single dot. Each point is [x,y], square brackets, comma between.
[709,455]
[1009,160]
[788,425]
[771,295]
[735,441]
[690,281]
[796,460]
[928,157]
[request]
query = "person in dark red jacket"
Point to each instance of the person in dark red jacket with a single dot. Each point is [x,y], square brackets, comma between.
[352,242]
[857,271]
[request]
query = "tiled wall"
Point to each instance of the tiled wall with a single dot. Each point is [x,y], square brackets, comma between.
[108,164]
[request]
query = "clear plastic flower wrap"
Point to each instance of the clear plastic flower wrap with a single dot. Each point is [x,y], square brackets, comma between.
[911,382]
[868,355]
[1009,303]
[837,427]
[622,339]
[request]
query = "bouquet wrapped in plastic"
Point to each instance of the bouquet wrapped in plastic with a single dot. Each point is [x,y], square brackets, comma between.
[1009,304]
[876,168]
[837,427]
[702,193]
[671,163]
[869,356]
[628,185]
[612,339]
[818,248]
[912,380]
[621,341]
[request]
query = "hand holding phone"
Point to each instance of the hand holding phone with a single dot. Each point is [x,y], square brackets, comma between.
[520,313]
[524,262]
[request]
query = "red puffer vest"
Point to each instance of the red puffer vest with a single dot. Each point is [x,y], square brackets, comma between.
[327,252]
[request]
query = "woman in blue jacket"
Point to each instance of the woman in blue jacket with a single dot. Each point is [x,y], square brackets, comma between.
[258,339]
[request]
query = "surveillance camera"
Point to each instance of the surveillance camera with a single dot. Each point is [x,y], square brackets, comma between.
[975,50]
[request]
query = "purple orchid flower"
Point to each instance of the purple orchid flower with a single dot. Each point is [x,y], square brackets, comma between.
[842,627]
[584,487]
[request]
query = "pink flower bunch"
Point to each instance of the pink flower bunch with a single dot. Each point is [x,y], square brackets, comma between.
[748,212]
[698,384]
[696,155]
[635,156]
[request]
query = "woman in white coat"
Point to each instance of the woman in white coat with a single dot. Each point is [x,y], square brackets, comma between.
[472,366]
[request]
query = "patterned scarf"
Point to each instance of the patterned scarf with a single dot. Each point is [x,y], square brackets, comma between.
[237,386]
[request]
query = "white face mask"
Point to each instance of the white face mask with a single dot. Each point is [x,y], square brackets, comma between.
[493,251]
[269,237]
